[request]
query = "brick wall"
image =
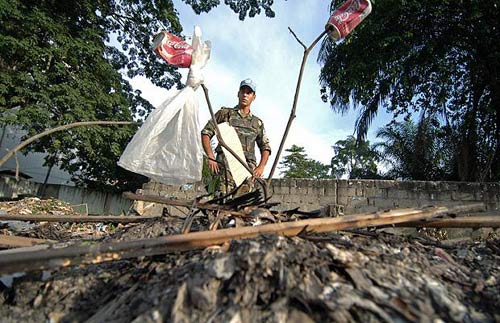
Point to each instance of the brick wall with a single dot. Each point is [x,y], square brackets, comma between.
[355,196]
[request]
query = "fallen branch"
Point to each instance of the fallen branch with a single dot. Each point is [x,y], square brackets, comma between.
[158,199]
[76,218]
[178,202]
[97,253]
[474,222]
[60,128]
[7,241]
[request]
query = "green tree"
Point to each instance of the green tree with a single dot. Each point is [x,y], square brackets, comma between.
[297,165]
[64,61]
[57,69]
[241,7]
[416,151]
[354,159]
[437,57]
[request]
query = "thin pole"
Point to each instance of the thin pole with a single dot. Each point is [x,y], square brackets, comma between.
[295,99]
[60,128]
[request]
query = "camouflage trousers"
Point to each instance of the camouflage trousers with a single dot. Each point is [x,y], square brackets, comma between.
[226,183]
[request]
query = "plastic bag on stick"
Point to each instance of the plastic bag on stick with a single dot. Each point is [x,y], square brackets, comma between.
[201,54]
[167,148]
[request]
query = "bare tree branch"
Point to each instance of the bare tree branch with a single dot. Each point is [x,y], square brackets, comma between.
[297,38]
[60,128]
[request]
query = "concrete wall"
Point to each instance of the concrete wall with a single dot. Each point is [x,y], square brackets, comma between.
[334,196]
[354,196]
[97,202]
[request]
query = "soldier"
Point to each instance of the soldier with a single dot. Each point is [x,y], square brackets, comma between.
[250,130]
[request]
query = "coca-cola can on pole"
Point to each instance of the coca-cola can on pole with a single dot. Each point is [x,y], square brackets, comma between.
[347,17]
[173,49]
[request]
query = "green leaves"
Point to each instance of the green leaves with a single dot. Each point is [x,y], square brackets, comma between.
[243,8]
[434,57]
[354,159]
[55,71]
[297,165]
[419,151]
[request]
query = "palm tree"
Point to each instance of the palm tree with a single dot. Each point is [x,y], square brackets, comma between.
[414,151]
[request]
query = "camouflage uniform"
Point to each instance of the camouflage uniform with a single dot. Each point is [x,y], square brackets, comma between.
[250,130]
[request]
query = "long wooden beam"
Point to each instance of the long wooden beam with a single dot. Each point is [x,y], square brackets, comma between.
[158,199]
[76,218]
[97,253]
[181,202]
[492,221]
[7,241]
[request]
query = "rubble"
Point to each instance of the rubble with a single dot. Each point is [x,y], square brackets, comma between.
[34,206]
[276,279]
[356,276]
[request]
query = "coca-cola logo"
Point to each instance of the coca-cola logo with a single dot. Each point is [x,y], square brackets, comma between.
[177,44]
[343,15]
[354,6]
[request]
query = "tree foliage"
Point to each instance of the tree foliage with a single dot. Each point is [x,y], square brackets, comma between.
[297,165]
[354,159]
[57,68]
[417,151]
[241,7]
[65,61]
[441,58]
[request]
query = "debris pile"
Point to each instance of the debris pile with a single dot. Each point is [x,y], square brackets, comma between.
[338,277]
[35,205]
[62,231]
[357,275]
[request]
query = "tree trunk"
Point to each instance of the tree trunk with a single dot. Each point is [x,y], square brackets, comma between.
[44,186]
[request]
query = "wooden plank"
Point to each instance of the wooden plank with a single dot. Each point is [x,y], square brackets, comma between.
[7,241]
[76,218]
[158,199]
[175,201]
[474,222]
[96,253]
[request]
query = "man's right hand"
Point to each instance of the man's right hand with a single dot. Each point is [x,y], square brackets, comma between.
[213,166]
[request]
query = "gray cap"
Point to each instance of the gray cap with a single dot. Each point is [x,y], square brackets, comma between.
[249,83]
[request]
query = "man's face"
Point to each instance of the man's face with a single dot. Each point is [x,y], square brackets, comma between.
[245,96]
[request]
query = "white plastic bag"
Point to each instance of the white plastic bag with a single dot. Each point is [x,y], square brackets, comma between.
[167,148]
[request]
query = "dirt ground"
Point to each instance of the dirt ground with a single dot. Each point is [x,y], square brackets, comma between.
[356,276]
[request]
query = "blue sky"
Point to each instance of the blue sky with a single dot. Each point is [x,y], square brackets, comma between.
[263,49]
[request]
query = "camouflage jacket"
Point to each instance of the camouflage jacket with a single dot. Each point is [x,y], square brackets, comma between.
[250,130]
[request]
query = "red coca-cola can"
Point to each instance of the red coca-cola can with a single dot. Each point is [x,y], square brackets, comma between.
[347,17]
[173,49]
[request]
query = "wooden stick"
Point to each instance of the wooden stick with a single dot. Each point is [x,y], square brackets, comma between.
[7,241]
[60,128]
[85,254]
[295,100]
[176,202]
[492,221]
[76,218]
